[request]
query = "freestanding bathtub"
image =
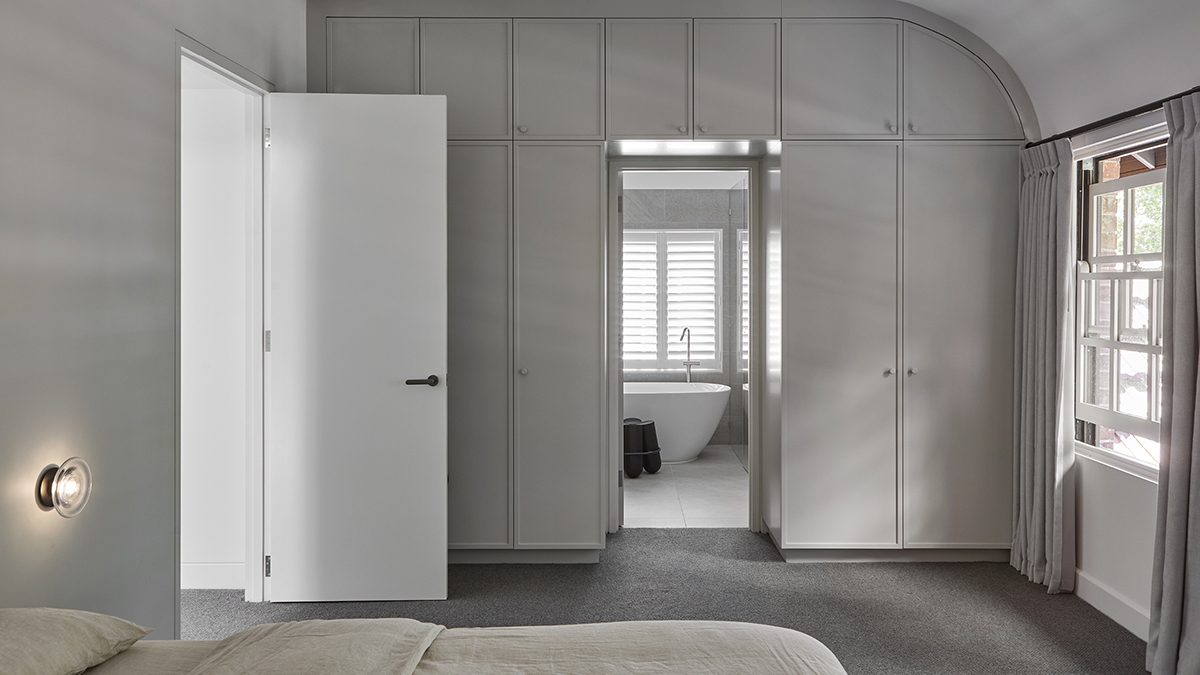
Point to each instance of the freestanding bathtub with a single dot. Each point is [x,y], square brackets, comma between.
[685,414]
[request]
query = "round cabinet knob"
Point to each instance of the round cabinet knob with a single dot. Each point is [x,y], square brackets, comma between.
[523,371]
[704,130]
[522,129]
[889,371]
[912,371]
[893,128]
[914,128]
[683,130]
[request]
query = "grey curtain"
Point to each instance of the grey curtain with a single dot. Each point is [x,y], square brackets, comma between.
[1174,645]
[1043,545]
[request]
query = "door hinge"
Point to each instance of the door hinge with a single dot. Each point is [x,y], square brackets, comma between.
[620,204]
[266,137]
[268,565]
[266,341]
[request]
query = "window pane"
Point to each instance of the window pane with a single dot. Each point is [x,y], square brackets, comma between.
[1132,378]
[1096,369]
[1099,318]
[1147,219]
[1110,218]
[639,299]
[1125,443]
[1136,296]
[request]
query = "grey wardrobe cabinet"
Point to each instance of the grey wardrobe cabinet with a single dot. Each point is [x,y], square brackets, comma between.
[371,55]
[949,93]
[560,336]
[960,243]
[737,79]
[890,442]
[841,322]
[649,78]
[479,373]
[558,78]
[470,62]
[842,78]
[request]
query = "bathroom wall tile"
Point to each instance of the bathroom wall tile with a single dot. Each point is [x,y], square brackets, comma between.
[698,205]
[644,206]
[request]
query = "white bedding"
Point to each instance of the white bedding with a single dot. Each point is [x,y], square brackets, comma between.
[407,647]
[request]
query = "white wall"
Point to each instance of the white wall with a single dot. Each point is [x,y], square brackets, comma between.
[87,283]
[219,129]
[1084,60]
[1115,514]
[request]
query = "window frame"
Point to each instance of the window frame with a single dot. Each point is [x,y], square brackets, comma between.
[664,360]
[1087,223]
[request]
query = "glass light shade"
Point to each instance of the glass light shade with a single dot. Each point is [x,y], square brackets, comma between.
[66,488]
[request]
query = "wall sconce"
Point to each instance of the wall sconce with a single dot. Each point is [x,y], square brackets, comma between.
[65,488]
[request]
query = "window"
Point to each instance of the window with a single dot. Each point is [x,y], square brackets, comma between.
[670,280]
[744,298]
[1120,284]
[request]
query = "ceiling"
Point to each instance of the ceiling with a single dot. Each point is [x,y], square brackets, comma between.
[1084,60]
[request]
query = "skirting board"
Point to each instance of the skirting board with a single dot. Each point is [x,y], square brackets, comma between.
[524,556]
[821,555]
[212,575]
[1131,616]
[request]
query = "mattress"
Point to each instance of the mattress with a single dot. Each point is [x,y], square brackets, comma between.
[651,647]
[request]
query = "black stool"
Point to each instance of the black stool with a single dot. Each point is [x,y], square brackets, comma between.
[641,447]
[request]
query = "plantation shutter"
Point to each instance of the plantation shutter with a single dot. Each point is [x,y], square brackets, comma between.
[693,295]
[744,281]
[639,299]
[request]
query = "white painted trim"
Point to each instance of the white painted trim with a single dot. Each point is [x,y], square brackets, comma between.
[1128,133]
[1130,615]
[212,575]
[1117,462]
[524,556]
[895,555]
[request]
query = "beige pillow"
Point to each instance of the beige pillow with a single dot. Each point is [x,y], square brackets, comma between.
[47,641]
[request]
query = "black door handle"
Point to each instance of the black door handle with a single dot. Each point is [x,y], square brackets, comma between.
[432,381]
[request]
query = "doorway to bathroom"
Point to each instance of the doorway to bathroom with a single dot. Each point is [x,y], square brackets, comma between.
[684,344]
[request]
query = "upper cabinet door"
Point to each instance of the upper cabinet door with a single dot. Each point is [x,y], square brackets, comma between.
[949,93]
[469,60]
[841,78]
[737,78]
[559,78]
[371,56]
[649,78]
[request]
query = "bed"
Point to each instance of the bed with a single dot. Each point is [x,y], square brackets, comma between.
[410,647]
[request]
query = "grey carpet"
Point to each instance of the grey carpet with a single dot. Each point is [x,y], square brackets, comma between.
[885,618]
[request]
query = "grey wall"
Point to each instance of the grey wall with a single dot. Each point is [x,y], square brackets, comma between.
[704,210]
[87,283]
[1084,60]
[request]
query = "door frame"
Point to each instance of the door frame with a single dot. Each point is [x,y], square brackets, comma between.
[756,370]
[241,77]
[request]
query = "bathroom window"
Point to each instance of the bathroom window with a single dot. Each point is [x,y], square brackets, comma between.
[744,299]
[671,280]
[1120,284]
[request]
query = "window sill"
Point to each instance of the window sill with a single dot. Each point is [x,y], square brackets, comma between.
[1119,462]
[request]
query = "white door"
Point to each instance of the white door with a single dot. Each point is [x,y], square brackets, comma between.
[355,503]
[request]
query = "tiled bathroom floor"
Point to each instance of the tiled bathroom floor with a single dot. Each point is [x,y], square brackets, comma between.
[713,491]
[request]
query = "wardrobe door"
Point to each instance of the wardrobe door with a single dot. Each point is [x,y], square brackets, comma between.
[560,331]
[371,56]
[840,322]
[960,240]
[559,78]
[649,78]
[469,60]
[950,93]
[737,78]
[479,233]
[841,78]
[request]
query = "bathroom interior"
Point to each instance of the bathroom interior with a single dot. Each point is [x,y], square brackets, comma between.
[685,318]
